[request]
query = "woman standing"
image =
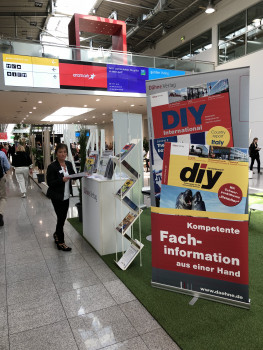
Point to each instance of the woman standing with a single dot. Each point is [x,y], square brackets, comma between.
[254,153]
[59,191]
[22,164]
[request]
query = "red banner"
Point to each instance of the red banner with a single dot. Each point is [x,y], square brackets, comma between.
[192,116]
[3,135]
[200,246]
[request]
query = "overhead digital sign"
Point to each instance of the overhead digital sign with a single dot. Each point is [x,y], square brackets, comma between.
[85,76]
[126,78]
[64,74]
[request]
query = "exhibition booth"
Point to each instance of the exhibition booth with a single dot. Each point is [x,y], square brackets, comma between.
[198,133]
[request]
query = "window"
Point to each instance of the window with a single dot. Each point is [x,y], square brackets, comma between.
[241,34]
[193,47]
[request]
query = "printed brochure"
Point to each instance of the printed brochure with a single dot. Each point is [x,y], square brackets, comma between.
[128,184]
[126,222]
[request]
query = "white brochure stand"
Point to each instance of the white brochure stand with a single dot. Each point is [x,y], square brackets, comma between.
[99,214]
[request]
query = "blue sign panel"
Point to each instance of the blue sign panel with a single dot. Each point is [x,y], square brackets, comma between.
[157,73]
[126,78]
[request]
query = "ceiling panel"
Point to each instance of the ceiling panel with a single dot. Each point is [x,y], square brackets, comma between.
[15,106]
[162,17]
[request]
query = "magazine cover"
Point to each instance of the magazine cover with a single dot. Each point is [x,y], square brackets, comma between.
[125,187]
[157,149]
[125,151]
[197,109]
[126,222]
[205,178]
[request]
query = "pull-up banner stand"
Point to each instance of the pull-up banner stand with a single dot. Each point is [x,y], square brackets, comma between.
[198,130]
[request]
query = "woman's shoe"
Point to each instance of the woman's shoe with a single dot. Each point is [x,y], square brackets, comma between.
[55,236]
[64,247]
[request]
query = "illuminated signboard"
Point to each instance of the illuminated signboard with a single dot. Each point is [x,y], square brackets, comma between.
[53,73]
[126,78]
[31,71]
[81,75]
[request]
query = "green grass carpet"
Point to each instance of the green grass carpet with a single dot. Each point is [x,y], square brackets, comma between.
[255,198]
[207,325]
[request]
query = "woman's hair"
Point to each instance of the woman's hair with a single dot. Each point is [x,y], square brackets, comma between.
[61,146]
[255,139]
[20,148]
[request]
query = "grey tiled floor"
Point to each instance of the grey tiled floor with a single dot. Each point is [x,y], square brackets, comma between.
[53,300]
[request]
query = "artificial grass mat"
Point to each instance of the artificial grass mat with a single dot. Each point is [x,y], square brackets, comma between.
[207,325]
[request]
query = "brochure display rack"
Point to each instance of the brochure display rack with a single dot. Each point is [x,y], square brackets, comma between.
[134,210]
[99,214]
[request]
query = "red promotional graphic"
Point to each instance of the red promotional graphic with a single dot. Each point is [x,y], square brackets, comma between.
[193,116]
[3,135]
[210,248]
[83,75]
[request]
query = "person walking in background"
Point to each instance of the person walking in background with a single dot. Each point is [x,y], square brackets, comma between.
[4,167]
[22,164]
[254,154]
[59,191]
[3,149]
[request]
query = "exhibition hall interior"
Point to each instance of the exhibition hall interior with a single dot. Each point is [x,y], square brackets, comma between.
[131,181]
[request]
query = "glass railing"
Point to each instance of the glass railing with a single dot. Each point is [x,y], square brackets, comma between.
[101,56]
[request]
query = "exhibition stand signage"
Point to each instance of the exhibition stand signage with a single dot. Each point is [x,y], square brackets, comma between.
[199,208]
[199,114]
[204,231]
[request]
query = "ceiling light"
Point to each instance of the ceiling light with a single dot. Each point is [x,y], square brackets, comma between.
[210,8]
[98,99]
[30,112]
[103,113]
[132,105]
[95,123]
[103,121]
[27,115]
[66,113]
[34,107]
[85,106]
[85,119]
[116,110]
[39,102]
[93,117]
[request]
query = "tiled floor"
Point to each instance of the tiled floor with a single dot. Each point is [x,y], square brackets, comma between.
[54,300]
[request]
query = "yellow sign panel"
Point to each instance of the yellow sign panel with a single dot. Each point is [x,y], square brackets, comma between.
[206,174]
[17,59]
[45,61]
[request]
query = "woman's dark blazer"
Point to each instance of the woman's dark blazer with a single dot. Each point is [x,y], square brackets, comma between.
[55,180]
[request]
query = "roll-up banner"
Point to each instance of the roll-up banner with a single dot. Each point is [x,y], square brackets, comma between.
[199,174]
